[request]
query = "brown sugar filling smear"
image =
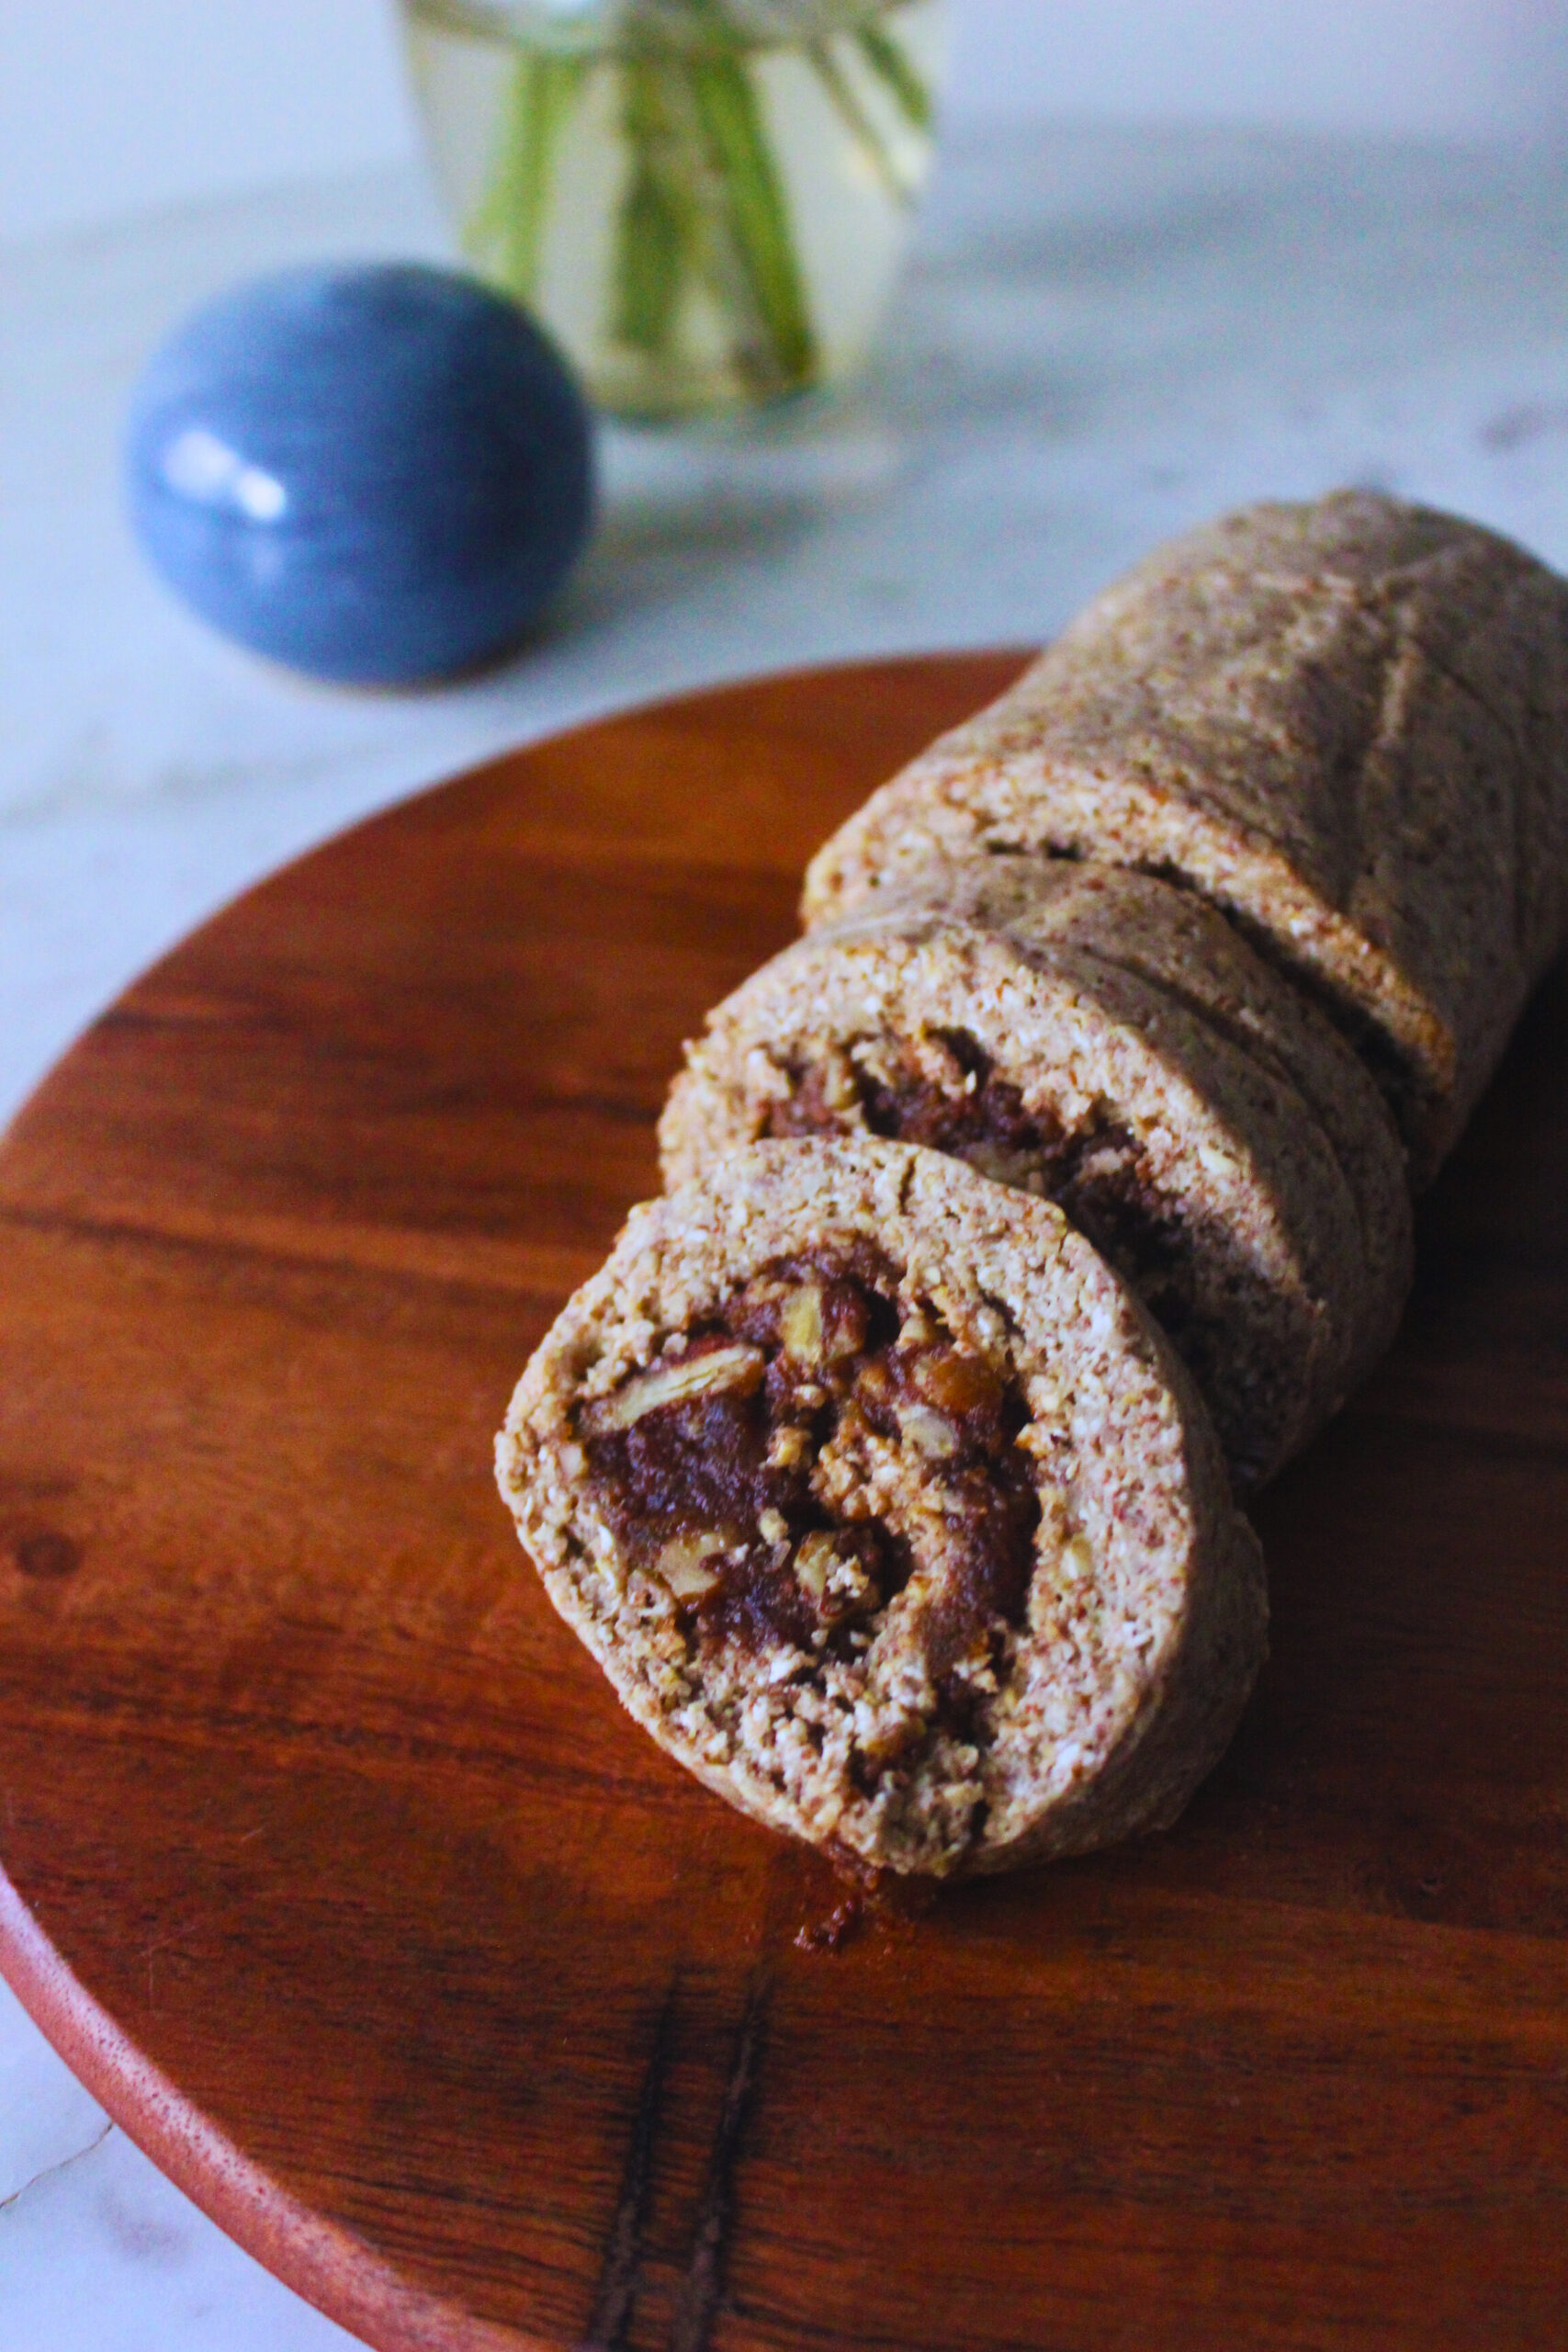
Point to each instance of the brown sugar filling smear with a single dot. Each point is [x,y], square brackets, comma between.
[1093,1173]
[744,1469]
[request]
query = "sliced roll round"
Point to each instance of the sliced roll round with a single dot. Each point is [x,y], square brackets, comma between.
[888,1512]
[1345,723]
[1107,1042]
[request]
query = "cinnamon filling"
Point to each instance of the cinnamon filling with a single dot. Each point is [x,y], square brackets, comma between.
[794,1460]
[954,1101]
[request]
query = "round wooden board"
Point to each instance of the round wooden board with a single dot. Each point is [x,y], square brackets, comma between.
[338,1874]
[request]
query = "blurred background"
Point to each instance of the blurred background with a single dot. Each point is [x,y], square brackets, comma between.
[1177,254]
[107,106]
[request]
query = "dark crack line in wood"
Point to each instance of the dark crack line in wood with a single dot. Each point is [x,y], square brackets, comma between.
[622,2273]
[704,2273]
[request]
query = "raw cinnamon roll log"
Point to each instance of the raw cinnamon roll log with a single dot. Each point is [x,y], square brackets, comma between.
[1109,1043]
[888,1510]
[1345,723]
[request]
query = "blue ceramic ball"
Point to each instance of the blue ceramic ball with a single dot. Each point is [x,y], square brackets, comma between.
[376,474]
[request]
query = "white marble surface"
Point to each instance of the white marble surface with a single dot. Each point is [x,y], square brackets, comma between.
[110,106]
[1104,337]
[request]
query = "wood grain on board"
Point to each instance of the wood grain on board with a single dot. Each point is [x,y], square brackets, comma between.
[337,1871]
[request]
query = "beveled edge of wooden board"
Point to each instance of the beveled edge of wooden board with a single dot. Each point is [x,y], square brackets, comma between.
[326,2266]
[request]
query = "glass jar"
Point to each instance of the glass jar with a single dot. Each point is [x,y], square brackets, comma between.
[706,201]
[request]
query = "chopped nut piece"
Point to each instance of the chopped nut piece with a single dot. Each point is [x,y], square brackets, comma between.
[879,1740]
[850,1587]
[800,1324]
[1109,1165]
[1053,1531]
[847,1331]
[672,1384]
[926,1432]
[1077,1559]
[683,1565]
[772,1526]
[840,1089]
[837,1584]
[789,1448]
[1000,1164]
[812,1563]
[977,1669]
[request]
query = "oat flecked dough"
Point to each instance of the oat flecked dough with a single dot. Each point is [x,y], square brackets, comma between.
[1344,723]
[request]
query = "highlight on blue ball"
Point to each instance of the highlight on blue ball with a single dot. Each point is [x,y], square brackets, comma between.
[376,474]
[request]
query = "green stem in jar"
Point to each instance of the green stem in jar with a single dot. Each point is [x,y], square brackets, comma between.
[658,226]
[676,229]
[507,228]
[756,227]
[847,104]
[891,65]
[704,205]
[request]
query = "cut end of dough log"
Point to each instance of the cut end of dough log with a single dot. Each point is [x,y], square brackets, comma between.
[886,1510]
